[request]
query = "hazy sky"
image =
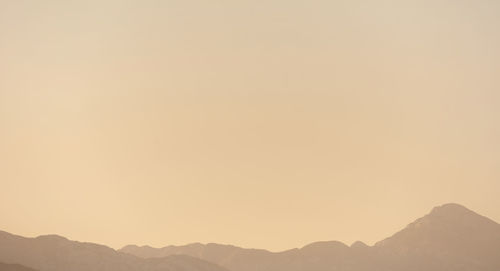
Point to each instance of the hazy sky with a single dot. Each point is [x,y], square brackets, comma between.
[267,124]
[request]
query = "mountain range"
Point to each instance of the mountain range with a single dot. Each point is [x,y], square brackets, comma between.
[449,238]
[56,253]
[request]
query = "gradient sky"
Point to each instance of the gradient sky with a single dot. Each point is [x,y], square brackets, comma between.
[268,124]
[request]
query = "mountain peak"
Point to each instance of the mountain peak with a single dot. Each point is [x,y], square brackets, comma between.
[52,237]
[359,245]
[130,247]
[323,246]
[455,215]
[450,208]
[447,227]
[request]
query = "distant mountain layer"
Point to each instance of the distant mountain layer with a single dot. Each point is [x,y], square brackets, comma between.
[450,238]
[56,253]
[14,267]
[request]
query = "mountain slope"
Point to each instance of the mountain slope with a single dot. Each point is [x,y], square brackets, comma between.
[56,253]
[451,237]
[14,267]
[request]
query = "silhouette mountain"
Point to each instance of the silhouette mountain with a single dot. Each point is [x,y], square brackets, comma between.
[56,253]
[451,237]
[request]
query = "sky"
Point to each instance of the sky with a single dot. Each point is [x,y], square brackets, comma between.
[265,124]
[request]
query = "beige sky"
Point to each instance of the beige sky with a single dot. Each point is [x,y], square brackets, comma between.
[265,124]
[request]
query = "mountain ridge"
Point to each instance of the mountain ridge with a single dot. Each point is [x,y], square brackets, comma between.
[449,238]
[57,253]
[434,242]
